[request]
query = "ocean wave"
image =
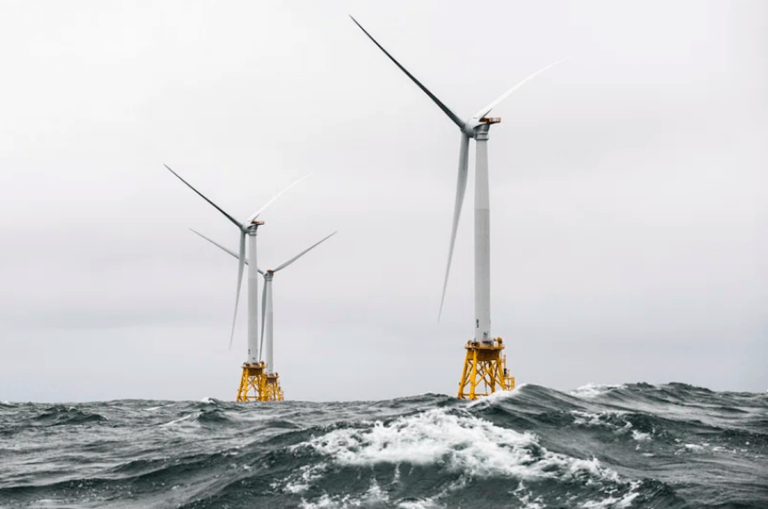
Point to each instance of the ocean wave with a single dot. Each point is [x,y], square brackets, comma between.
[207,417]
[178,421]
[460,443]
[212,416]
[373,496]
[639,427]
[591,390]
[60,415]
[629,446]
[499,396]
[450,458]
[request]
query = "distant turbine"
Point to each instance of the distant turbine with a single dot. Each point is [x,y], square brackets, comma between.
[266,302]
[248,227]
[476,127]
[267,317]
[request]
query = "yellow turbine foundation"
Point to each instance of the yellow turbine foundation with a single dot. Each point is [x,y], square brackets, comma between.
[272,389]
[485,370]
[251,383]
[256,385]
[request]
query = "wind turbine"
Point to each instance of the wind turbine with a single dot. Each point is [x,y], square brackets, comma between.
[248,228]
[477,127]
[267,314]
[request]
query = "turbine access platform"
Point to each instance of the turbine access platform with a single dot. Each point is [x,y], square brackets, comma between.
[485,368]
[256,385]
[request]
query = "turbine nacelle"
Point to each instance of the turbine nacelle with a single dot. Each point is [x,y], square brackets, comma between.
[253,226]
[471,126]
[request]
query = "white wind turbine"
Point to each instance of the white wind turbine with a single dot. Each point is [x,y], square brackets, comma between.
[476,127]
[249,227]
[267,314]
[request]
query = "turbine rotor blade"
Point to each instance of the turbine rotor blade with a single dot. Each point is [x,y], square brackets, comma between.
[287,263]
[270,202]
[225,249]
[216,244]
[240,267]
[455,118]
[461,187]
[263,313]
[239,225]
[480,114]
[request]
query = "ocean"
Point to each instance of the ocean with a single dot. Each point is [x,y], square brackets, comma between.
[596,447]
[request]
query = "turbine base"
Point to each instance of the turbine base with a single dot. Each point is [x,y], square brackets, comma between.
[485,369]
[272,389]
[256,385]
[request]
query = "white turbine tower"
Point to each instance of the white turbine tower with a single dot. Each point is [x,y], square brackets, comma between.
[267,314]
[477,127]
[247,228]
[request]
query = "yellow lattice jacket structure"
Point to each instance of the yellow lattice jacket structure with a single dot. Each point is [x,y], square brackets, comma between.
[485,370]
[256,385]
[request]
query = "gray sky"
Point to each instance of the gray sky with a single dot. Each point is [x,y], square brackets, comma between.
[628,193]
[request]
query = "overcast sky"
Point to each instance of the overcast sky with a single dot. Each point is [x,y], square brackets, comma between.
[628,193]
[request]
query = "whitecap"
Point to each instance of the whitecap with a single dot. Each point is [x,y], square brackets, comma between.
[640,436]
[374,496]
[612,502]
[496,396]
[301,482]
[603,419]
[599,419]
[693,447]
[424,503]
[177,421]
[325,502]
[460,443]
[592,390]
[586,418]
[524,496]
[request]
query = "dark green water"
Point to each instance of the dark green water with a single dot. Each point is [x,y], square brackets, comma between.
[629,446]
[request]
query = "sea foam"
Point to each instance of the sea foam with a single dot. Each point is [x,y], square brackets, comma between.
[592,390]
[459,443]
